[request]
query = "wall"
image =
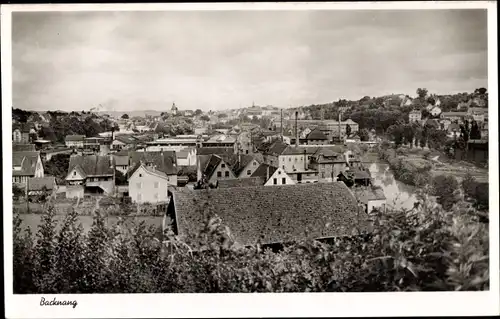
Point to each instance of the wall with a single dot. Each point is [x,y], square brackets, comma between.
[223,171]
[279,174]
[74,144]
[252,166]
[291,161]
[147,192]
[39,172]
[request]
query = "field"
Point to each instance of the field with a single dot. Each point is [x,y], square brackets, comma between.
[33,220]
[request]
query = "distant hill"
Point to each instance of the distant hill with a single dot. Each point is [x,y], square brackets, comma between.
[139,113]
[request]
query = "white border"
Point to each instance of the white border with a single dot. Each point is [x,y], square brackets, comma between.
[256,305]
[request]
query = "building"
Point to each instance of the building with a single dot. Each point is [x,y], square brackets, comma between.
[479,114]
[355,176]
[271,215]
[330,128]
[371,198]
[41,186]
[212,168]
[90,175]
[454,116]
[453,130]
[173,144]
[271,175]
[23,148]
[26,165]
[122,142]
[121,161]
[240,182]
[329,162]
[75,141]
[92,145]
[316,137]
[21,133]
[415,116]
[186,157]
[149,185]
[245,165]
[165,162]
[174,109]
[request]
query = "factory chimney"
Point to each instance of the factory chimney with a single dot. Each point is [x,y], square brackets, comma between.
[340,131]
[296,129]
[282,125]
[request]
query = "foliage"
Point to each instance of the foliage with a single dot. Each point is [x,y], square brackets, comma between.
[476,192]
[125,116]
[120,178]
[198,112]
[58,167]
[422,93]
[404,170]
[205,118]
[425,249]
[17,191]
[447,190]
[364,135]
[348,130]
[475,131]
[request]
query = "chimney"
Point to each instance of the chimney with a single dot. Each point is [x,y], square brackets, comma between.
[340,131]
[281,125]
[305,160]
[296,129]
[267,173]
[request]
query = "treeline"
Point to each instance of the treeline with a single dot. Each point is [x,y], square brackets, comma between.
[379,113]
[426,249]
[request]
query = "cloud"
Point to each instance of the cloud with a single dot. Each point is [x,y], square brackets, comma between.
[216,60]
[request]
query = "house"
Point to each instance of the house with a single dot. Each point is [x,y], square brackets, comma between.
[372,198]
[164,161]
[329,162]
[479,114]
[149,185]
[121,161]
[316,137]
[25,165]
[245,165]
[41,186]
[282,214]
[454,116]
[435,111]
[303,133]
[21,133]
[123,142]
[90,175]
[186,157]
[453,130]
[356,176]
[75,141]
[213,168]
[415,116]
[270,175]
[92,145]
[23,148]
[174,109]
[484,131]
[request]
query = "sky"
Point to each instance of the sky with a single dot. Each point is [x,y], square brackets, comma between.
[214,60]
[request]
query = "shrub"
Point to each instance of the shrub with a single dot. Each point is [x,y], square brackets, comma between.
[425,249]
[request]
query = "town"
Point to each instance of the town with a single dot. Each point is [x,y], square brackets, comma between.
[146,160]
[241,151]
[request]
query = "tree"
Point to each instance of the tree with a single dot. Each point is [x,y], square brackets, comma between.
[198,112]
[205,118]
[120,178]
[222,115]
[422,93]
[364,135]
[17,192]
[480,91]
[348,130]
[125,116]
[475,132]
[446,188]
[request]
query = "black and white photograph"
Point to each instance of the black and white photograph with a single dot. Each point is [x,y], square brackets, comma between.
[180,152]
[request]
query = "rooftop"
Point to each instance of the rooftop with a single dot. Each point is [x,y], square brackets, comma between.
[275,214]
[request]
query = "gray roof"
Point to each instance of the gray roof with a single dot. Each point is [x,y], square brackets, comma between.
[27,161]
[37,183]
[75,138]
[92,165]
[274,214]
[165,161]
[241,182]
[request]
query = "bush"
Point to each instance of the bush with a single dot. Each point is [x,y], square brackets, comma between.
[446,188]
[425,249]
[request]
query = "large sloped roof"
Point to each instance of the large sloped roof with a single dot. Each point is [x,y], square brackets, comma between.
[241,182]
[165,161]
[37,183]
[261,171]
[316,134]
[274,214]
[27,160]
[92,165]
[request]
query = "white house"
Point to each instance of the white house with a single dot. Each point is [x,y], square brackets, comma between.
[273,175]
[148,185]
[186,157]
[372,198]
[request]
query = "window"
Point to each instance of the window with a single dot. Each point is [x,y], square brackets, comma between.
[289,159]
[254,163]
[140,175]
[246,151]
[323,175]
[279,172]
[223,165]
[226,173]
[249,172]
[275,181]
[283,181]
[219,174]
[139,185]
[74,173]
[157,184]
[295,160]
[139,197]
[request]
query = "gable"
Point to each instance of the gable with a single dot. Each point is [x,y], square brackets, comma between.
[75,174]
